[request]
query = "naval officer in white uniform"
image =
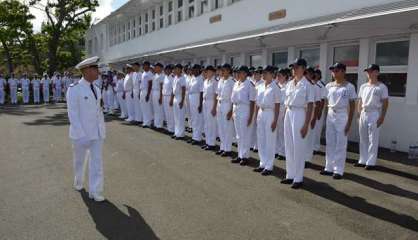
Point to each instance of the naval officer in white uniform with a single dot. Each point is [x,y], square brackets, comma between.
[87,128]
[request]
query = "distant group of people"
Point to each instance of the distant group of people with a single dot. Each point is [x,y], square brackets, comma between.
[40,88]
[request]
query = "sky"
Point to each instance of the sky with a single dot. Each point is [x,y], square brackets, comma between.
[104,9]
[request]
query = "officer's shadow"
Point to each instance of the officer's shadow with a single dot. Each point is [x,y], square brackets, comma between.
[112,223]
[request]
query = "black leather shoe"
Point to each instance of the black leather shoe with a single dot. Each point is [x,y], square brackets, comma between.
[204,146]
[337,176]
[190,141]
[219,152]
[317,152]
[281,158]
[194,142]
[236,160]
[226,154]
[369,168]
[297,185]
[276,155]
[243,162]
[266,172]
[145,126]
[358,164]
[325,173]
[179,138]
[173,136]
[255,150]
[210,148]
[258,169]
[308,165]
[286,181]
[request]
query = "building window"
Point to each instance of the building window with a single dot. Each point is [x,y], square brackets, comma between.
[191,11]
[348,55]
[169,20]
[393,60]
[140,26]
[170,6]
[232,61]
[279,59]
[202,62]
[204,6]
[123,33]
[179,3]
[146,23]
[217,4]
[256,60]
[311,56]
[129,31]
[161,23]
[216,62]
[179,16]
[161,10]
[134,28]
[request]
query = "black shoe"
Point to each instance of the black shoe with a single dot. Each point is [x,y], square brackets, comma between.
[286,181]
[210,148]
[317,152]
[218,139]
[204,146]
[276,155]
[370,168]
[140,123]
[179,138]
[308,165]
[173,136]
[145,126]
[194,142]
[236,160]
[281,158]
[190,141]
[297,185]
[235,144]
[337,176]
[359,164]
[255,150]
[243,162]
[220,152]
[266,172]
[226,154]
[325,173]
[258,169]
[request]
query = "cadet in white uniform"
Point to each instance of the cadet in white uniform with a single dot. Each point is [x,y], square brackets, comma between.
[109,94]
[146,101]
[120,94]
[321,116]
[167,92]
[243,98]
[195,100]
[372,106]
[45,82]
[257,80]
[128,93]
[25,84]
[36,86]
[177,101]
[157,96]
[224,111]
[87,128]
[299,103]
[13,82]
[282,80]
[210,87]
[136,78]
[268,109]
[341,105]
[57,86]
[2,86]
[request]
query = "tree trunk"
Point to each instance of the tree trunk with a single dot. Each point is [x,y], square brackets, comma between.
[52,53]
[8,57]
[35,55]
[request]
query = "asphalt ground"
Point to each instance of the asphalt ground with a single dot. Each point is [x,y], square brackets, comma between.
[159,188]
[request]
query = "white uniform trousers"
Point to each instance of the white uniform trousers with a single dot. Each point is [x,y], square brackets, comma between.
[209,122]
[2,94]
[243,132]
[122,104]
[295,145]
[225,126]
[310,140]
[36,94]
[137,106]
[57,94]
[317,133]
[80,150]
[369,137]
[157,109]
[280,149]
[254,140]
[179,118]
[146,108]
[45,93]
[130,106]
[13,95]
[25,92]
[266,138]
[108,100]
[168,113]
[336,148]
[196,118]
[187,110]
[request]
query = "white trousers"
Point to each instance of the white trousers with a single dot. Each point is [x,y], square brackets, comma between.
[45,93]
[146,108]
[36,95]
[108,100]
[225,126]
[130,106]
[80,150]
[266,138]
[369,137]
[254,140]
[168,113]
[336,148]
[2,94]
[25,92]
[196,117]
[157,109]
[122,104]
[209,122]
[13,95]
[295,145]
[243,131]
[137,106]
[317,133]
[179,118]
[57,94]
[280,149]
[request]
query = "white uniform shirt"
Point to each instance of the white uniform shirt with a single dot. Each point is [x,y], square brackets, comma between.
[12,83]
[128,83]
[243,93]
[178,84]
[119,86]
[225,87]
[372,95]
[168,85]
[136,80]
[146,77]
[318,93]
[196,85]
[156,81]
[210,87]
[300,94]
[99,83]
[339,96]
[36,83]
[25,83]
[2,83]
[324,91]
[282,87]
[268,96]
[45,83]
[57,82]
[84,112]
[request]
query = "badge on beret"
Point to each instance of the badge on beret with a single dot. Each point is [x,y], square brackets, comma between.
[86,97]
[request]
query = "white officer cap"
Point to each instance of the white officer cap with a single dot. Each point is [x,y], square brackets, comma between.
[129,66]
[89,62]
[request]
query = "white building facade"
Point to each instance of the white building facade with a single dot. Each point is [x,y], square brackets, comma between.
[260,32]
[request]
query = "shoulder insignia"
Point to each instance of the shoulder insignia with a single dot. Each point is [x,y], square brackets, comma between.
[73,84]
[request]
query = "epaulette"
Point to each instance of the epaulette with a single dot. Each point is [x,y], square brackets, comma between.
[73,84]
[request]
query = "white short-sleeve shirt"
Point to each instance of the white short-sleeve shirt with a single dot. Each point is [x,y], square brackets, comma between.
[300,94]
[339,96]
[178,84]
[243,93]
[196,85]
[146,77]
[224,91]
[168,85]
[210,87]
[268,96]
[372,95]
[157,80]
